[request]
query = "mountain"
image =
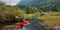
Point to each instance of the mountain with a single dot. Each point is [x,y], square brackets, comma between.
[37,2]
[45,5]
[29,2]
[23,3]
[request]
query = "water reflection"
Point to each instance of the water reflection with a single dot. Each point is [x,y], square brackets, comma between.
[30,27]
[35,25]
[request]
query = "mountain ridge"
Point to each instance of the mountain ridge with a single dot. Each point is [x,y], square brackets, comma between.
[29,2]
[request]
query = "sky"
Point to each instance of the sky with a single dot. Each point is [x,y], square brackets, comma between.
[11,2]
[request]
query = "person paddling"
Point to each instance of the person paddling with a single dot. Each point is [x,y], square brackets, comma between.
[21,23]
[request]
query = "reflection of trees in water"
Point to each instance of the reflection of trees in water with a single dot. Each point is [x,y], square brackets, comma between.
[36,25]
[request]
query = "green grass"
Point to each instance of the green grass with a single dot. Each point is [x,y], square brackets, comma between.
[51,18]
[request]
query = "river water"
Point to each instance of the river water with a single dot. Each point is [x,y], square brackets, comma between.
[35,25]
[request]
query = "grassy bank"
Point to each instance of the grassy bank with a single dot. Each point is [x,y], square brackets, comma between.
[51,18]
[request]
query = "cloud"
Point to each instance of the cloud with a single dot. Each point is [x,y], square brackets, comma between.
[11,2]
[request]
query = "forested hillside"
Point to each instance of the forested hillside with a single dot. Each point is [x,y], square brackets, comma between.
[45,5]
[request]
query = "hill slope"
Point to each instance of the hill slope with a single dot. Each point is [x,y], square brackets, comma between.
[45,5]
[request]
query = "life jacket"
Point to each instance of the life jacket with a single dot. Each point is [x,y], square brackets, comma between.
[22,23]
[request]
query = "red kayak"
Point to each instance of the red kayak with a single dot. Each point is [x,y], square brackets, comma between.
[21,24]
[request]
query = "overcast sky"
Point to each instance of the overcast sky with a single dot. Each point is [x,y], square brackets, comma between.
[11,2]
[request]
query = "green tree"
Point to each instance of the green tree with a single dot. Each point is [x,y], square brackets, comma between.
[7,13]
[30,9]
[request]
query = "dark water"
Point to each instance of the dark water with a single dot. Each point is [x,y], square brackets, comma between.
[30,27]
[35,25]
